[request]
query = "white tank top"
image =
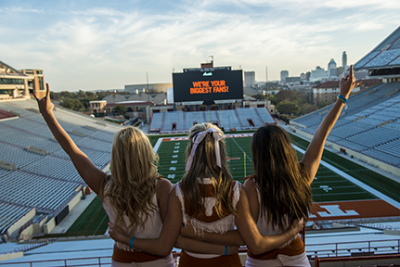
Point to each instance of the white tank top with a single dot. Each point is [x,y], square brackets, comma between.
[152,227]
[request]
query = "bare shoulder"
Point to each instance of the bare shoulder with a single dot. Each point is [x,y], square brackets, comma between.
[164,184]
[249,185]
[163,188]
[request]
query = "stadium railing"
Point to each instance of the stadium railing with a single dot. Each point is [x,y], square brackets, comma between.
[359,259]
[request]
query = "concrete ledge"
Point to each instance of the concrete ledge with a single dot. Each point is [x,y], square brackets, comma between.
[10,256]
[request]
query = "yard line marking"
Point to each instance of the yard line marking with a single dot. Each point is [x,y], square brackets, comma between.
[157,146]
[247,156]
[355,181]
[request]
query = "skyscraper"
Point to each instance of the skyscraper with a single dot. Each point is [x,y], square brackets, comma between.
[332,68]
[249,78]
[344,60]
[284,75]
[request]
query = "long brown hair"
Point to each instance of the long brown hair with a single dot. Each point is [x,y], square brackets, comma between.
[133,178]
[204,166]
[281,180]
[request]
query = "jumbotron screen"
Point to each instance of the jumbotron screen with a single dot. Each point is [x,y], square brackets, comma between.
[207,86]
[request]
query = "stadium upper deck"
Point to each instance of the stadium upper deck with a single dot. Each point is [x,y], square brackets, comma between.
[370,125]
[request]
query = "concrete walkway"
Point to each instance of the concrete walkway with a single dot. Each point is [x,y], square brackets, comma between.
[74,214]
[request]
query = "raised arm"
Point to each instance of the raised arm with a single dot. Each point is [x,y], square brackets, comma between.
[87,170]
[313,154]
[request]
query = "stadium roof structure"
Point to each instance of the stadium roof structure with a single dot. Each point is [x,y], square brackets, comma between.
[385,55]
[6,70]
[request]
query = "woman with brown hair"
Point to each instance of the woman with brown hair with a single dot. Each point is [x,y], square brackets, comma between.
[208,199]
[280,192]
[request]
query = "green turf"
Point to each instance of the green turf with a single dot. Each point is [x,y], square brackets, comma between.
[375,180]
[328,186]
[93,221]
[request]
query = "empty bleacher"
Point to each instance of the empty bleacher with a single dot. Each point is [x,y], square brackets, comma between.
[370,125]
[230,120]
[10,213]
[45,182]
[40,193]
[157,121]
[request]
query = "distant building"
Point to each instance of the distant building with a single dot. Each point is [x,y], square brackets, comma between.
[318,74]
[284,75]
[151,87]
[97,106]
[327,92]
[293,80]
[344,60]
[332,72]
[249,78]
[340,71]
[20,83]
[308,75]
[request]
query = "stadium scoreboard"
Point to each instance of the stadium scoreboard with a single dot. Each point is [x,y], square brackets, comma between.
[207,85]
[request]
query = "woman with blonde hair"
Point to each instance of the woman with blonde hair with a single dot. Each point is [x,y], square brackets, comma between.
[134,196]
[209,200]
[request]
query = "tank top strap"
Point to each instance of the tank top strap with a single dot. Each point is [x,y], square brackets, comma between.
[236,193]
[179,194]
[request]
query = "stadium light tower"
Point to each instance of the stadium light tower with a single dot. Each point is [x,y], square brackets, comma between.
[266,82]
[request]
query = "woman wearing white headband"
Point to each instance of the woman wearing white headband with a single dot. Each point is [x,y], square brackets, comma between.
[209,199]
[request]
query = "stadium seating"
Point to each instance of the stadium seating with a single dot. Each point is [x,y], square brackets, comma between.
[156,122]
[9,214]
[370,125]
[239,119]
[45,182]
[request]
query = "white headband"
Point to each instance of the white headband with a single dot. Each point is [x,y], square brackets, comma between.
[197,140]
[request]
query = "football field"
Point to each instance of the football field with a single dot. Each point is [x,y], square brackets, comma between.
[337,195]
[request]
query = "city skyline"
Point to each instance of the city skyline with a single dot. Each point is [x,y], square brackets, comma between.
[103,45]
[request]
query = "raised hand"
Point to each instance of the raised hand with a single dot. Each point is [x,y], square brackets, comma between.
[348,83]
[45,105]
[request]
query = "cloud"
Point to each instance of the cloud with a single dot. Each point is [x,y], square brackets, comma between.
[22,10]
[105,46]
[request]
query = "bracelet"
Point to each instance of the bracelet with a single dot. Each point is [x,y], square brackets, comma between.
[343,99]
[131,242]
[226,250]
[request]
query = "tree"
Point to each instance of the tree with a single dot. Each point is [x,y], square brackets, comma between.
[307,108]
[73,104]
[121,110]
[288,107]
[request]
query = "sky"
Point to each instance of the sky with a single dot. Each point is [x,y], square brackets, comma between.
[90,45]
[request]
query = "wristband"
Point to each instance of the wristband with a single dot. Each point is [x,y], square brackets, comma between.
[343,99]
[226,250]
[131,242]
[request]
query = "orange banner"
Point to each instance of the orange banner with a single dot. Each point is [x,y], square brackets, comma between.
[208,87]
